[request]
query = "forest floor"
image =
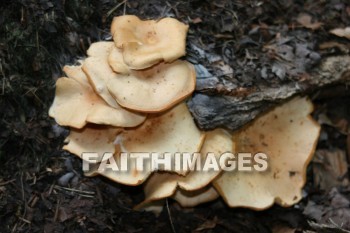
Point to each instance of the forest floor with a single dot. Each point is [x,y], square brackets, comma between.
[42,188]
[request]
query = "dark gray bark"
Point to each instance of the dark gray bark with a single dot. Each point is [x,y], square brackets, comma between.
[217,105]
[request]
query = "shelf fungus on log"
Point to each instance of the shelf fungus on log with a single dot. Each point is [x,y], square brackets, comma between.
[116,61]
[145,43]
[132,96]
[170,132]
[288,136]
[162,185]
[98,71]
[154,89]
[92,138]
[76,104]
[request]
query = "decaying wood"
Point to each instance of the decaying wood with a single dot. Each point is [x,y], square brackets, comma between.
[217,105]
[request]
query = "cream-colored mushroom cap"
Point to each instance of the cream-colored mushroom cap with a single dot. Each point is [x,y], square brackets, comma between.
[288,136]
[163,185]
[107,49]
[100,49]
[183,197]
[93,139]
[154,89]
[146,43]
[76,104]
[155,207]
[97,69]
[116,61]
[75,72]
[192,198]
[170,132]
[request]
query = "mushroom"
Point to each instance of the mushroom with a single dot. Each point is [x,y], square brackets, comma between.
[92,138]
[154,207]
[100,49]
[163,85]
[183,197]
[146,43]
[288,136]
[139,71]
[173,131]
[154,89]
[163,185]
[108,49]
[116,61]
[97,70]
[76,104]
[193,198]
[75,72]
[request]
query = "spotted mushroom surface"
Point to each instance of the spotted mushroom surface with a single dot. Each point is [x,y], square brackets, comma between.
[145,43]
[288,136]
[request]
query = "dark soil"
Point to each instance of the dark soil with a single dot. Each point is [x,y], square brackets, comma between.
[42,188]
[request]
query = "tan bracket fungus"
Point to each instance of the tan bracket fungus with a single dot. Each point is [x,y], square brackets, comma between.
[288,136]
[107,99]
[146,43]
[193,198]
[92,138]
[154,89]
[172,131]
[98,71]
[116,61]
[76,104]
[184,198]
[162,185]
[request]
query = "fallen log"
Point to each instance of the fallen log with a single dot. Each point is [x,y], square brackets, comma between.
[215,105]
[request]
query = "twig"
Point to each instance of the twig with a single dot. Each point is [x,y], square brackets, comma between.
[88,196]
[22,187]
[25,220]
[173,8]
[116,7]
[56,211]
[335,224]
[14,228]
[3,79]
[32,91]
[51,188]
[3,87]
[75,190]
[124,10]
[6,182]
[99,195]
[169,214]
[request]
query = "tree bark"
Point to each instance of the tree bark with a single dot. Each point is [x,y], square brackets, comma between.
[216,105]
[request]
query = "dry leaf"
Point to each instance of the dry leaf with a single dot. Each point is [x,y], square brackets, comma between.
[306,21]
[330,169]
[341,32]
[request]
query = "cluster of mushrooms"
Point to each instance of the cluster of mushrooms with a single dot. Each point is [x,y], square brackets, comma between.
[129,95]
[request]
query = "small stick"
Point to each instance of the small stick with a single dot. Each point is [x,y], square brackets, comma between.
[75,190]
[169,214]
[115,8]
[6,182]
